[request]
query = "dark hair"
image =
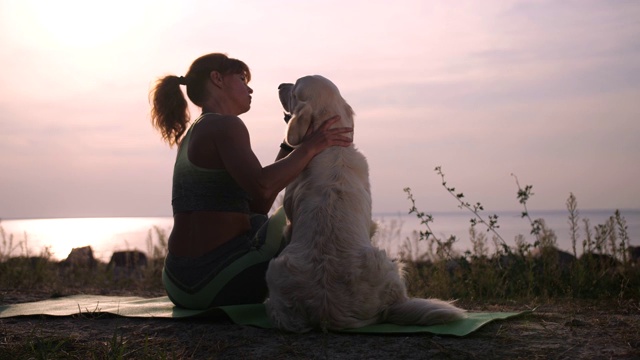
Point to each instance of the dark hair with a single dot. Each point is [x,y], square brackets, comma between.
[169,108]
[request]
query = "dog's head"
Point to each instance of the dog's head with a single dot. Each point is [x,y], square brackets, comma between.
[310,101]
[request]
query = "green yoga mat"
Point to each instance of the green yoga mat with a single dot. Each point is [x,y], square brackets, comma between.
[252,314]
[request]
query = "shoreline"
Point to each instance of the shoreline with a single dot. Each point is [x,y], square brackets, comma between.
[109,234]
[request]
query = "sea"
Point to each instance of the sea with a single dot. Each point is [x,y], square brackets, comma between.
[396,232]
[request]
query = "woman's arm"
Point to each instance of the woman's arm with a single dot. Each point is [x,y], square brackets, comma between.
[264,183]
[259,207]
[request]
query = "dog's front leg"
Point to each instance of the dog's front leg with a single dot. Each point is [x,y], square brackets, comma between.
[373,229]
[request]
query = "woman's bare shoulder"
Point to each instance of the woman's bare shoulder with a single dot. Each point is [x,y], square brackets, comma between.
[221,128]
[213,120]
[216,122]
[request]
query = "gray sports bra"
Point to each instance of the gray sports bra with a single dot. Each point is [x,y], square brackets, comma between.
[201,189]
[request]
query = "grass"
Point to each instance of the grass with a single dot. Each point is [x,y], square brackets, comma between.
[43,344]
[42,273]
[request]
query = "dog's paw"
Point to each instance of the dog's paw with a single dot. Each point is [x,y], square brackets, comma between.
[373,228]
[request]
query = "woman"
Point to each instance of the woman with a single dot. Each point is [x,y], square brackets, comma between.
[218,249]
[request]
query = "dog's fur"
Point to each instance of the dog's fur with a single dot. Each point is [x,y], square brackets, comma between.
[330,276]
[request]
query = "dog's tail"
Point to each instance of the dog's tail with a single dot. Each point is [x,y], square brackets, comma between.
[417,311]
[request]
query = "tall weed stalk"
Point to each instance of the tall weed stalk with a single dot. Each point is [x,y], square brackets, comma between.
[526,269]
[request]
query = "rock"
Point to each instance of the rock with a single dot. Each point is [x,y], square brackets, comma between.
[80,258]
[127,263]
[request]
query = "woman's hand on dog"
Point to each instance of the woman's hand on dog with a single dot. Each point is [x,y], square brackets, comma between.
[324,136]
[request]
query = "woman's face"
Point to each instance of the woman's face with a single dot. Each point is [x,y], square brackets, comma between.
[239,92]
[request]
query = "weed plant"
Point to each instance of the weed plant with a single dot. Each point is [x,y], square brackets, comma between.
[524,269]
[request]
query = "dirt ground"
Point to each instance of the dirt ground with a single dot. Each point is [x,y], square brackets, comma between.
[561,329]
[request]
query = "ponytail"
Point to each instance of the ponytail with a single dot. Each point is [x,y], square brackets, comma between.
[169,110]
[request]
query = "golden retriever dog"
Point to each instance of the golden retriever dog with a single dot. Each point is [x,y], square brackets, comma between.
[330,276]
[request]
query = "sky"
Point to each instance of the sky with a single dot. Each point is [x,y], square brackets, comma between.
[548,91]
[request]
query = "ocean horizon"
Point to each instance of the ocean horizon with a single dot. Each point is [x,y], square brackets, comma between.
[108,234]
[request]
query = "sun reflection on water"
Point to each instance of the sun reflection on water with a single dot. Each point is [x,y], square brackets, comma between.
[104,235]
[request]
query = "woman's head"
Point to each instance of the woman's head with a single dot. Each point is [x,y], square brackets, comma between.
[169,111]
[197,77]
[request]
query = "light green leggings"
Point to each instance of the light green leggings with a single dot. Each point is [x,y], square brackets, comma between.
[228,276]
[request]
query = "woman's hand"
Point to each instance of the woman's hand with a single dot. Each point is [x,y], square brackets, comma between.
[324,137]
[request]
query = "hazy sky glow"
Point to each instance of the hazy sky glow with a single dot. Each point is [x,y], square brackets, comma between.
[547,90]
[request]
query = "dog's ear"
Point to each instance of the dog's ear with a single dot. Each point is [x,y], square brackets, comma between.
[284,93]
[350,114]
[299,123]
